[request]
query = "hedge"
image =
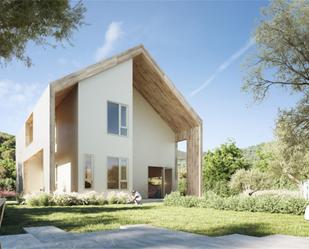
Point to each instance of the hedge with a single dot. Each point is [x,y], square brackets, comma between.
[72,199]
[261,203]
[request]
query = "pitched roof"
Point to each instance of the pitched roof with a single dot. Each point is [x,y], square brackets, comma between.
[149,80]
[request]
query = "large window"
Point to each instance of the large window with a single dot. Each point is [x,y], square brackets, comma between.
[117,173]
[117,119]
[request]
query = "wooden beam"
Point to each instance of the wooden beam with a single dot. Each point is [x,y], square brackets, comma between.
[52,113]
[194,161]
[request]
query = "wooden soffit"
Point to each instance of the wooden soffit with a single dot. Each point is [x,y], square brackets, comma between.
[162,95]
[149,80]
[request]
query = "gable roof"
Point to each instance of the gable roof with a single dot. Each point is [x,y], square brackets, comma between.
[149,80]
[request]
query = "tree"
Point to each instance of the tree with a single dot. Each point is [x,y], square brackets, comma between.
[282,57]
[220,165]
[291,150]
[250,181]
[182,179]
[259,156]
[7,162]
[35,20]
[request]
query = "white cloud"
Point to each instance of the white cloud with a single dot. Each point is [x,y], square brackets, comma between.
[19,95]
[113,33]
[16,101]
[224,66]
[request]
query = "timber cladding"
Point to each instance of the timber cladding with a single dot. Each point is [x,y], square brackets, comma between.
[162,95]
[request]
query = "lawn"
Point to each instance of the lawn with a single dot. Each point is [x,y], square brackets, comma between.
[196,220]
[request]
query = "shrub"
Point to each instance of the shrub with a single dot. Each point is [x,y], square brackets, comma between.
[279,192]
[219,165]
[7,184]
[261,203]
[38,199]
[72,199]
[93,198]
[182,186]
[111,198]
[67,199]
[176,199]
[122,198]
[222,188]
[182,178]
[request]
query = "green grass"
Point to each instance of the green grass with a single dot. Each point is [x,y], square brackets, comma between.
[196,220]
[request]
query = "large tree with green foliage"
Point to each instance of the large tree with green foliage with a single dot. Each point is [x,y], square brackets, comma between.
[282,49]
[37,21]
[291,150]
[282,56]
[219,165]
[250,181]
[7,162]
[282,59]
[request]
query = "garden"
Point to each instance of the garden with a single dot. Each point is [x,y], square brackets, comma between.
[198,220]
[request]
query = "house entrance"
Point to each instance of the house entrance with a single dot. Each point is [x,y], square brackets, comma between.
[159,181]
[63,177]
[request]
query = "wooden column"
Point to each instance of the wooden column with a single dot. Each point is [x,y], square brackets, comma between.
[52,111]
[194,161]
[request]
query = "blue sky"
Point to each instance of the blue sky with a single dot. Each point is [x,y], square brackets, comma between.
[200,46]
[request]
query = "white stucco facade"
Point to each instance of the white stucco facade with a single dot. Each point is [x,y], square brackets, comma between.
[93,94]
[153,143]
[41,142]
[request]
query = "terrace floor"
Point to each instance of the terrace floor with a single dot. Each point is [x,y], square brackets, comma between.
[143,236]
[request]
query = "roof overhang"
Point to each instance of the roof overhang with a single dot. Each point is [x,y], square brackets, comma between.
[149,80]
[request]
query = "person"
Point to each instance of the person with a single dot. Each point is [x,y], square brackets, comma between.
[136,197]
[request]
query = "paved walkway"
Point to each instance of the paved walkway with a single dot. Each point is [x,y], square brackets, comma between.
[143,236]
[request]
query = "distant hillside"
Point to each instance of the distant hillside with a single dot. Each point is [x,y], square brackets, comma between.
[181,155]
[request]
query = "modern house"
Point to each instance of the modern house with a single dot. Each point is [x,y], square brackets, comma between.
[111,126]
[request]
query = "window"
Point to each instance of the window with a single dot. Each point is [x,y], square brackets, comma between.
[117,173]
[117,119]
[89,161]
[29,130]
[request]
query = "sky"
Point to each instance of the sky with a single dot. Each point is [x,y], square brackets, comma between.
[200,45]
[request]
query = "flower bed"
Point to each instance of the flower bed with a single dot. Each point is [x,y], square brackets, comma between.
[7,194]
